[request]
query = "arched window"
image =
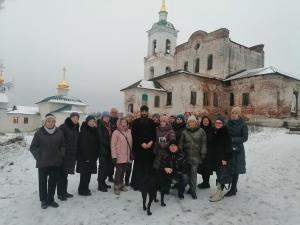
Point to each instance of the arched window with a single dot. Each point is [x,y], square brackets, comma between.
[168,69]
[130,108]
[197,65]
[154,47]
[151,71]
[168,46]
[144,99]
[210,62]
[156,101]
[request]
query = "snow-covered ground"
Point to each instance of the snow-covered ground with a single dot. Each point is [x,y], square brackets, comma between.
[268,194]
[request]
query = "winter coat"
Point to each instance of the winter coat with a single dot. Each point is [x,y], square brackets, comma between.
[71,134]
[143,131]
[178,128]
[193,143]
[105,141]
[221,147]
[119,146]
[206,167]
[163,137]
[113,124]
[176,161]
[239,134]
[48,149]
[87,149]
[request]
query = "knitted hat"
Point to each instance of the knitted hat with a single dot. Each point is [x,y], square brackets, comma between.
[144,108]
[173,142]
[192,118]
[50,116]
[222,119]
[237,110]
[155,115]
[90,117]
[105,114]
[180,116]
[74,114]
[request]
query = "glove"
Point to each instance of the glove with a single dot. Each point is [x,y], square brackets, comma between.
[114,161]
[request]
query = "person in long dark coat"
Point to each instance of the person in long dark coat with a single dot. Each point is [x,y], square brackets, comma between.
[113,121]
[205,168]
[48,149]
[105,160]
[179,126]
[239,133]
[87,154]
[143,135]
[221,154]
[70,128]
[130,119]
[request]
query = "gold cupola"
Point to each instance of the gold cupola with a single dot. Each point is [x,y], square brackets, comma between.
[163,7]
[63,86]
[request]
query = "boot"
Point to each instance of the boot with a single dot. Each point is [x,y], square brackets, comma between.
[233,188]
[123,188]
[205,184]
[107,185]
[218,196]
[44,205]
[102,187]
[68,195]
[117,190]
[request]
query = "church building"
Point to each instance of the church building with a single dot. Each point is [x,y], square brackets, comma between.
[208,75]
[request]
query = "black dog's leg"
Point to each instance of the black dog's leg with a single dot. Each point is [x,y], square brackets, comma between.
[151,197]
[144,194]
[162,198]
[155,197]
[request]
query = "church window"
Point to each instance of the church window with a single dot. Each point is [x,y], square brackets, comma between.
[197,46]
[130,108]
[231,99]
[216,100]
[154,47]
[26,120]
[156,101]
[152,71]
[144,99]
[197,65]
[169,98]
[168,69]
[15,120]
[186,66]
[205,99]
[168,46]
[210,62]
[245,99]
[193,97]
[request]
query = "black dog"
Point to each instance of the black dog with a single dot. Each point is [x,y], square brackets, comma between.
[152,183]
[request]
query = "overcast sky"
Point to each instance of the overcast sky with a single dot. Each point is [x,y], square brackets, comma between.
[102,43]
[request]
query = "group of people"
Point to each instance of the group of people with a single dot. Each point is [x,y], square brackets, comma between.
[175,148]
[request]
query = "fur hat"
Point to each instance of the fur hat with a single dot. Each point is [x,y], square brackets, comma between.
[222,119]
[180,116]
[74,114]
[192,118]
[89,117]
[237,110]
[173,142]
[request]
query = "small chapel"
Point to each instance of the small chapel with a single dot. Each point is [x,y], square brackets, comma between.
[208,75]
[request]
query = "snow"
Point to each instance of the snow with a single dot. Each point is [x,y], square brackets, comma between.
[67,102]
[268,194]
[149,85]
[27,110]
[258,72]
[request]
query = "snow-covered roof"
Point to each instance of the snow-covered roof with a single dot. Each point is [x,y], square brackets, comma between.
[3,98]
[67,109]
[146,84]
[26,110]
[259,72]
[63,99]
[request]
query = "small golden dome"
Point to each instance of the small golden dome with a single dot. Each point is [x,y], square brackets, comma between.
[63,84]
[163,7]
[1,79]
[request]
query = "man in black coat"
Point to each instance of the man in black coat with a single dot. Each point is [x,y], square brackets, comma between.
[143,135]
[70,128]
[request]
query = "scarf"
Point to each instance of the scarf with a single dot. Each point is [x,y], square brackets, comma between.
[50,131]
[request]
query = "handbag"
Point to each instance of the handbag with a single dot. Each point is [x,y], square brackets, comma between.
[224,176]
[131,153]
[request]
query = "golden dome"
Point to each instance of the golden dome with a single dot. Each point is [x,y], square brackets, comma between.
[163,7]
[63,84]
